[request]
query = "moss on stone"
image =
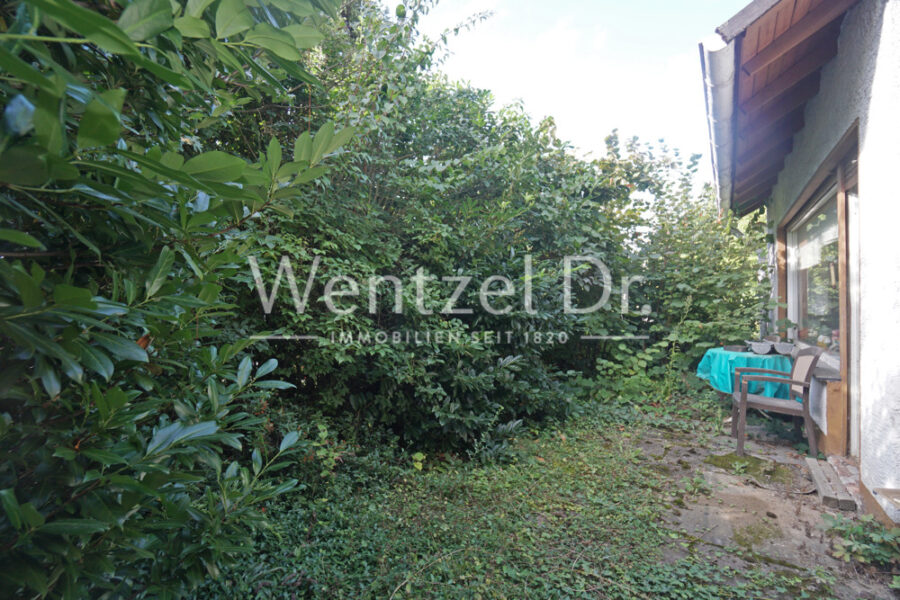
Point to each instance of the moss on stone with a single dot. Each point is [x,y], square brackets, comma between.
[765,472]
[754,534]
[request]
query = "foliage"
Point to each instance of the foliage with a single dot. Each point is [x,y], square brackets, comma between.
[704,281]
[145,154]
[131,460]
[864,540]
[438,180]
[706,273]
[705,284]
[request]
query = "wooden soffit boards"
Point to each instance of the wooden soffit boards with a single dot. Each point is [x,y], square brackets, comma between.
[783,45]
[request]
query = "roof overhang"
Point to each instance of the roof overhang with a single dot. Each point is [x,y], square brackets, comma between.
[758,75]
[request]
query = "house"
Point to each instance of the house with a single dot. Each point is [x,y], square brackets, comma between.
[803,104]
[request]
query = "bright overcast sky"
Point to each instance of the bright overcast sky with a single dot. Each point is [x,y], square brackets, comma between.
[594,65]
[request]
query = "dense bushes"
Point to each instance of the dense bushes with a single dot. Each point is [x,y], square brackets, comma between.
[438,180]
[437,218]
[706,282]
[144,163]
[131,460]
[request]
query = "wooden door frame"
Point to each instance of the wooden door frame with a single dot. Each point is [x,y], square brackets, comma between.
[834,167]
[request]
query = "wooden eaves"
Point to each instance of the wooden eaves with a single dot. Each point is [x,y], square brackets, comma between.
[780,49]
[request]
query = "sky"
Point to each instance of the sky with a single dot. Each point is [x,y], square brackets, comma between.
[594,65]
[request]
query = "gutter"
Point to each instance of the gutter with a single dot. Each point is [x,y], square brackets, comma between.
[717,59]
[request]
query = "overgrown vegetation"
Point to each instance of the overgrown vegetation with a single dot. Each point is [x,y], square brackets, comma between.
[577,515]
[149,147]
[439,181]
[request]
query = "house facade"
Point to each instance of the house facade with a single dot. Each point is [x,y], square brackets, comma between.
[803,102]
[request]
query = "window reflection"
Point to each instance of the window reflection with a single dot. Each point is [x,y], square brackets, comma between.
[814,300]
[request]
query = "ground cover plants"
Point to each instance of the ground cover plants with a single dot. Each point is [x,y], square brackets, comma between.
[577,514]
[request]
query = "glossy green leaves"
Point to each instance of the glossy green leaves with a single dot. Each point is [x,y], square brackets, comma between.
[90,24]
[215,166]
[279,42]
[125,188]
[20,238]
[192,27]
[144,19]
[101,123]
[232,18]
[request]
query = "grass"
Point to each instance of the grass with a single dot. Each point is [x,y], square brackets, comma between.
[576,515]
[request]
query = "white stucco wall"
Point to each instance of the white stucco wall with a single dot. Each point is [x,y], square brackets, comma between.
[863,82]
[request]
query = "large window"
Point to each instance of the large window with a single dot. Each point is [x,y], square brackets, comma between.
[813,284]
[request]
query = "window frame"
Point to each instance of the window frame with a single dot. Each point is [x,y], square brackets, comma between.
[819,200]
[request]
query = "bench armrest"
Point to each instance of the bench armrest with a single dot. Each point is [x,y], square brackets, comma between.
[749,378]
[741,372]
[754,370]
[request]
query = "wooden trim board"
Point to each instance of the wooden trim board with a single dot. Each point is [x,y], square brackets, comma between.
[842,397]
[829,486]
[836,416]
[751,13]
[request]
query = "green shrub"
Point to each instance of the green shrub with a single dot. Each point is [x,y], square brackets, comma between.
[437,179]
[706,285]
[131,461]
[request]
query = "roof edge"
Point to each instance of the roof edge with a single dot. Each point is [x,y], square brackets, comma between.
[737,24]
